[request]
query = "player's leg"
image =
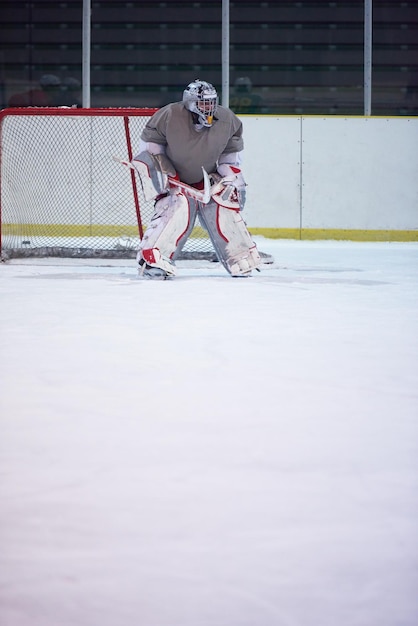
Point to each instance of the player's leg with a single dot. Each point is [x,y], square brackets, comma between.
[171,223]
[230,237]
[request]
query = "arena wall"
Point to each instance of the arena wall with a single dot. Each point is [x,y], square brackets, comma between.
[332,177]
[313,177]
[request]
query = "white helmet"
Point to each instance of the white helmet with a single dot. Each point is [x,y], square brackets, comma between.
[243,84]
[72,84]
[202,100]
[49,81]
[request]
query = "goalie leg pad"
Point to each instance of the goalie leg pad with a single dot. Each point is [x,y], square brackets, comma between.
[171,220]
[153,170]
[230,237]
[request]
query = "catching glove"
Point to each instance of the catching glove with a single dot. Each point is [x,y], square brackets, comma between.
[230,190]
[231,175]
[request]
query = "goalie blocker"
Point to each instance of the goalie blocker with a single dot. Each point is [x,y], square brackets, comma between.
[175,215]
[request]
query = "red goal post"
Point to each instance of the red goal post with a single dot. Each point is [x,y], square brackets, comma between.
[62,191]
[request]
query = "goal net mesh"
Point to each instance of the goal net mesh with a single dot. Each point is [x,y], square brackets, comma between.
[63,193]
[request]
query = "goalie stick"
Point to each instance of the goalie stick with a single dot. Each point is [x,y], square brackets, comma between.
[203,195]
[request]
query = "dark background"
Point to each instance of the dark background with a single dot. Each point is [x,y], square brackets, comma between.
[295,57]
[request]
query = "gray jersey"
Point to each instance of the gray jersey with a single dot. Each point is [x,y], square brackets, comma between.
[189,149]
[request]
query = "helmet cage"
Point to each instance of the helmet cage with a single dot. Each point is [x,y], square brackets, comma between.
[201,99]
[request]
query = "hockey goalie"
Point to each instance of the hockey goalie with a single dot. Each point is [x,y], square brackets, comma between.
[189,163]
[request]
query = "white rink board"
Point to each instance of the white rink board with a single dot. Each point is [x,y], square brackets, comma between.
[360,173]
[355,173]
[271,166]
[302,172]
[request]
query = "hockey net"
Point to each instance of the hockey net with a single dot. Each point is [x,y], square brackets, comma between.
[64,194]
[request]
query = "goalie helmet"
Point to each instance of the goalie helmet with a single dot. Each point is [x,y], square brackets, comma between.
[201,99]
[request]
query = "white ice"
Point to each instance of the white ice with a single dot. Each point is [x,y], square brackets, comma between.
[211,451]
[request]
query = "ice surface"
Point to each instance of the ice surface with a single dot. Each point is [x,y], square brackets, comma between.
[211,451]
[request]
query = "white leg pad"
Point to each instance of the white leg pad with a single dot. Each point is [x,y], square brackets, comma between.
[231,239]
[168,224]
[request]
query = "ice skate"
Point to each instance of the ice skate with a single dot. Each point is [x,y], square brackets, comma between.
[147,272]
